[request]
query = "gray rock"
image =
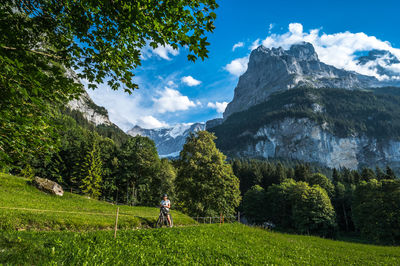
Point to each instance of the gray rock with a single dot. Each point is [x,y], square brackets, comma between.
[271,70]
[48,186]
[93,113]
[308,141]
[214,122]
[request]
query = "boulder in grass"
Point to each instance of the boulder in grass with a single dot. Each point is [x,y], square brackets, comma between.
[48,186]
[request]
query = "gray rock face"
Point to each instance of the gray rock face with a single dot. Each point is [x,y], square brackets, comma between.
[169,141]
[305,140]
[48,186]
[214,122]
[271,70]
[92,112]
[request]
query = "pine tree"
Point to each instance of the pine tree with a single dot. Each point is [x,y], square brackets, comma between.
[336,177]
[389,173]
[379,173]
[91,172]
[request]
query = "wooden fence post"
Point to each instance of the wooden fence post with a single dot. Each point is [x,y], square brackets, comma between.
[116,224]
[238,217]
[220,218]
[210,220]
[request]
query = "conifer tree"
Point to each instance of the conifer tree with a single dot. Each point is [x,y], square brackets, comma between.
[92,171]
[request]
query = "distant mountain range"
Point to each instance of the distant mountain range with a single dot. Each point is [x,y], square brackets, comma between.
[169,141]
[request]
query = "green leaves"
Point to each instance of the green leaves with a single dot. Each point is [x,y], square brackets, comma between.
[205,184]
[113,33]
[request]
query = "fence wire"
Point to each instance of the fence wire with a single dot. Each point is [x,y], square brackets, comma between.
[200,220]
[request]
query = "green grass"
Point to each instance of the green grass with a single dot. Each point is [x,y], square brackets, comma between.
[69,212]
[205,244]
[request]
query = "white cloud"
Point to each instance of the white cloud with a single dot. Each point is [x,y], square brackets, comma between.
[337,49]
[162,51]
[238,66]
[190,81]
[146,107]
[237,45]
[150,122]
[255,44]
[171,84]
[171,100]
[220,107]
[271,26]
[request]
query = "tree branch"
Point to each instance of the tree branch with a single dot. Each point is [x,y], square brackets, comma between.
[32,51]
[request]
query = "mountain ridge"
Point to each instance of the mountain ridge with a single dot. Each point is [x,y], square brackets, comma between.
[275,69]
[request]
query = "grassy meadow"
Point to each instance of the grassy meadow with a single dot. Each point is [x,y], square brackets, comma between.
[23,207]
[227,244]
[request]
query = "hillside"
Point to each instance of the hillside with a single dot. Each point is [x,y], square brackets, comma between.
[206,245]
[23,207]
[334,127]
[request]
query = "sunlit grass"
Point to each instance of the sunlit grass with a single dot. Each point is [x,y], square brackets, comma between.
[205,244]
[24,207]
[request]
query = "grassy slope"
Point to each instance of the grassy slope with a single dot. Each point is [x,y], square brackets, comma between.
[206,244]
[16,193]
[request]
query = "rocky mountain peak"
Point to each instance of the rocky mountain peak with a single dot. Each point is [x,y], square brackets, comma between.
[303,51]
[275,69]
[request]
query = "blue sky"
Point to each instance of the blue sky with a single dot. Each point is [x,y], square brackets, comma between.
[173,90]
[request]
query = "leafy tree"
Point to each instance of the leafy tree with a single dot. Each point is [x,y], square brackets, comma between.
[138,168]
[32,85]
[313,212]
[254,202]
[296,205]
[279,205]
[166,179]
[342,203]
[376,210]
[205,184]
[105,39]
[42,40]
[91,173]
[322,181]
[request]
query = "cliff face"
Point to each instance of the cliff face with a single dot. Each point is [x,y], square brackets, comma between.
[92,112]
[271,70]
[308,141]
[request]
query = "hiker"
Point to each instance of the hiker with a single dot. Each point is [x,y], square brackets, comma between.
[165,206]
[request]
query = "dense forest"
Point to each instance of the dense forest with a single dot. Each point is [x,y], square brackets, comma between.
[301,199]
[373,113]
